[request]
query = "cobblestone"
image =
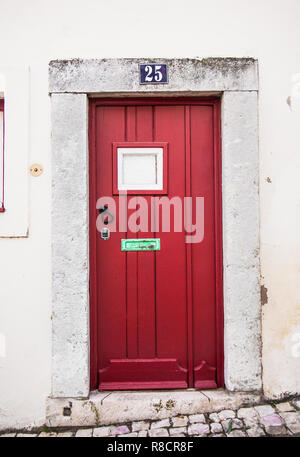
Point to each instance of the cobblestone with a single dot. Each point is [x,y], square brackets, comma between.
[249,416]
[140,426]
[236,434]
[65,434]
[294,428]
[279,419]
[284,407]
[179,421]
[226,414]
[264,410]
[216,427]
[296,403]
[128,435]
[247,413]
[103,431]
[214,417]
[198,418]
[271,419]
[27,435]
[177,430]
[276,430]
[234,423]
[158,432]
[255,431]
[121,430]
[84,432]
[160,424]
[291,418]
[198,429]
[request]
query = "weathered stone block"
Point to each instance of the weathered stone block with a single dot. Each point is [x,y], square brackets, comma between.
[198,429]
[291,417]
[121,430]
[216,427]
[264,410]
[247,413]
[158,432]
[179,421]
[176,431]
[236,434]
[84,432]
[284,407]
[213,417]
[110,75]
[296,403]
[27,435]
[255,431]
[140,425]
[128,435]
[160,424]
[65,434]
[235,424]
[103,431]
[197,418]
[226,414]
[294,428]
[276,429]
[271,419]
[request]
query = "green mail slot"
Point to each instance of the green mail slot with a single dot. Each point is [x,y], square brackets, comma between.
[147,244]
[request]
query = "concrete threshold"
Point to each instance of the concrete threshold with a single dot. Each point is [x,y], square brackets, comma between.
[105,408]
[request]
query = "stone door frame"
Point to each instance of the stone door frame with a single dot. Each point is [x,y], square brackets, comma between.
[71,83]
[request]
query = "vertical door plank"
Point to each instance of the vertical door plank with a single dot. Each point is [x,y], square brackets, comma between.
[146,260]
[189,308]
[131,259]
[203,254]
[171,320]
[110,127]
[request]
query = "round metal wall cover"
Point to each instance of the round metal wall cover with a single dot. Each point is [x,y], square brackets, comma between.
[36,169]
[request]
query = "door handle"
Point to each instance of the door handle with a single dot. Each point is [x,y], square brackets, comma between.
[103,211]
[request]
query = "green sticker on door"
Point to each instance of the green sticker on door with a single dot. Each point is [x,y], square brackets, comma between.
[140,244]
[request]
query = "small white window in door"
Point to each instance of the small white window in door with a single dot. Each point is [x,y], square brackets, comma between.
[140,168]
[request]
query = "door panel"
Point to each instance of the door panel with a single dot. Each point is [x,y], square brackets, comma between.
[111,281]
[170,264]
[203,254]
[156,313]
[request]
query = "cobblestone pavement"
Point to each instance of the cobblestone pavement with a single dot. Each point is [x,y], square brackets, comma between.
[280,419]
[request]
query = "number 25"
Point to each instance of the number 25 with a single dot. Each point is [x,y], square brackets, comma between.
[157,73]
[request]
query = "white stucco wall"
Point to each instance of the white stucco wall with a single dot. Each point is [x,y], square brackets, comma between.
[31,34]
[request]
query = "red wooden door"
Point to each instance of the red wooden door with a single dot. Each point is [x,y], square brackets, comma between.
[156,316]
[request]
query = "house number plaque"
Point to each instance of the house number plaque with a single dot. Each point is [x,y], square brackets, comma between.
[153,73]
